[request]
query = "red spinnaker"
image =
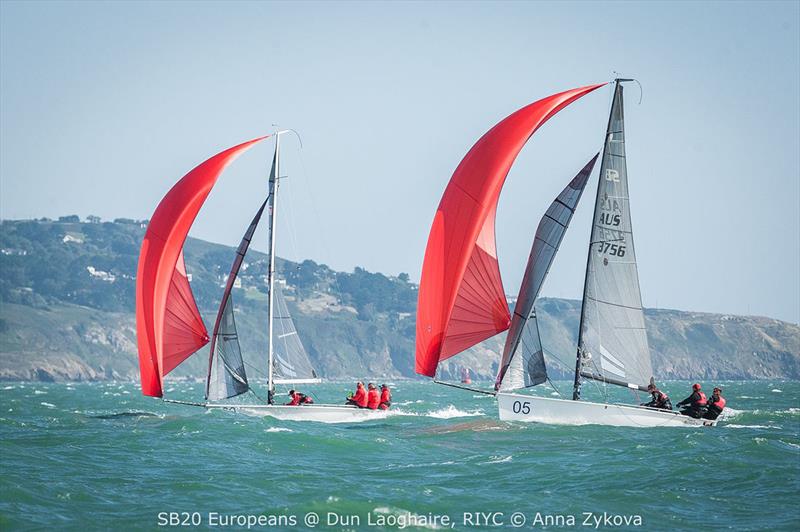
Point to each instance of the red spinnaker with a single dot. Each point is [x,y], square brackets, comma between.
[168,325]
[461,297]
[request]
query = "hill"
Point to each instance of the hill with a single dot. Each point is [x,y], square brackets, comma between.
[67,291]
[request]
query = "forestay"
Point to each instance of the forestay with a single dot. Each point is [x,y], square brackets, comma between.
[613,341]
[522,363]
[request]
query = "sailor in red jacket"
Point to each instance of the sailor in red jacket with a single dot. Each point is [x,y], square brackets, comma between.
[659,398]
[716,404]
[695,403]
[358,399]
[386,398]
[373,397]
[298,399]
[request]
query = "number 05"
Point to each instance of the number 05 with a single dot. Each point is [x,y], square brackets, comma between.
[520,407]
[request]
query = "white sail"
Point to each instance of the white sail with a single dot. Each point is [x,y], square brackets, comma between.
[291,362]
[613,340]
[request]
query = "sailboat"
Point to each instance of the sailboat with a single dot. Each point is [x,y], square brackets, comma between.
[461,298]
[170,328]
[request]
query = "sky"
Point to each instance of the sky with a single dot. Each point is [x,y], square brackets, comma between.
[103,106]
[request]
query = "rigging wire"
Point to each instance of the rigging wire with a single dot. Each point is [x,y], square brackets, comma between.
[554,387]
[251,390]
[317,221]
[290,224]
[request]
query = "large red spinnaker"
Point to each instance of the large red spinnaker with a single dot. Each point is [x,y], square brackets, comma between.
[461,297]
[168,325]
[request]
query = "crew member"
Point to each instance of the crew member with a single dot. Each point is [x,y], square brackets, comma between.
[659,399]
[695,404]
[299,399]
[358,399]
[716,404]
[373,397]
[386,398]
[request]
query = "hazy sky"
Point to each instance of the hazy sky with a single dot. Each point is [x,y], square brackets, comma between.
[103,106]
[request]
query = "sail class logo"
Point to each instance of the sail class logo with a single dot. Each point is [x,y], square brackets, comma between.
[612,175]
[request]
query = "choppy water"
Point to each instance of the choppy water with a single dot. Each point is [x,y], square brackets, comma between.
[97,456]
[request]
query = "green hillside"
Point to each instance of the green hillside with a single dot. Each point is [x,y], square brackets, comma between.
[67,297]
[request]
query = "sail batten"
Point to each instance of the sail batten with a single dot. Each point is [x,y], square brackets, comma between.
[613,344]
[522,363]
[461,299]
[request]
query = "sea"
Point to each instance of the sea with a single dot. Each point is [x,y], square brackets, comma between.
[100,456]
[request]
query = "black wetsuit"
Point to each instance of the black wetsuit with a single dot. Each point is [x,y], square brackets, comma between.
[694,407]
[660,400]
[714,408]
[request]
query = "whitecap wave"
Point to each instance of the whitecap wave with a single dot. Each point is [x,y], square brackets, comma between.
[278,429]
[451,411]
[400,412]
[498,459]
[775,390]
[48,405]
[731,413]
[735,426]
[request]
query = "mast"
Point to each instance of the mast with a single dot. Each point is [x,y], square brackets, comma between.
[274,181]
[576,387]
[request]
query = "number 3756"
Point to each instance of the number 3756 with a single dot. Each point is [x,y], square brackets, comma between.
[618,250]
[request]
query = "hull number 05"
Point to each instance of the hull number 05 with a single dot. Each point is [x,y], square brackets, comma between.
[521,407]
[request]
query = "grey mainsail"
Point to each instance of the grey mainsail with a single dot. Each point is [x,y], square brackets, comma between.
[522,364]
[291,363]
[612,344]
[226,373]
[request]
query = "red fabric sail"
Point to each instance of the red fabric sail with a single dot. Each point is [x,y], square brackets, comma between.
[168,325]
[461,299]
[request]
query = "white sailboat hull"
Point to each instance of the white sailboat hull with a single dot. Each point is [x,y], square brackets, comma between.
[321,413]
[528,408]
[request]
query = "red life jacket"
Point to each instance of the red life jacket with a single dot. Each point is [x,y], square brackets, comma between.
[360,397]
[386,396]
[295,400]
[719,404]
[702,401]
[374,399]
